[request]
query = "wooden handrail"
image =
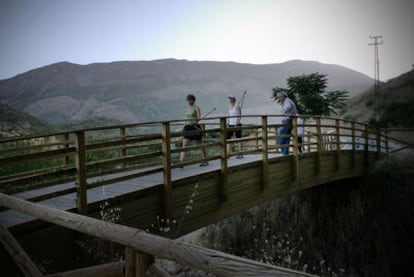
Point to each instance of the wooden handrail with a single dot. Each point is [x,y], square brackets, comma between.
[146,149]
[212,261]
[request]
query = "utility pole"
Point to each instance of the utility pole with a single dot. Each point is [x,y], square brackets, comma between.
[377,74]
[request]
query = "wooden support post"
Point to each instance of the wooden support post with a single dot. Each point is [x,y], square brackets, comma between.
[130,262]
[22,260]
[122,133]
[378,144]
[166,162]
[223,160]
[295,149]
[80,163]
[265,152]
[353,144]
[143,262]
[66,139]
[319,146]
[338,143]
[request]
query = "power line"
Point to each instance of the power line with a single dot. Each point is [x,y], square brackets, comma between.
[377,72]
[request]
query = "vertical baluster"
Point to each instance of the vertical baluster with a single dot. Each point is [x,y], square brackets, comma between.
[265,152]
[338,143]
[319,146]
[166,162]
[80,163]
[353,144]
[223,160]
[122,133]
[295,149]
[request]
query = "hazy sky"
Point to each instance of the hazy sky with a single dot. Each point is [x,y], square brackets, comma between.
[34,33]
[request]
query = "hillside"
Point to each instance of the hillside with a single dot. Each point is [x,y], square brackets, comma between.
[154,90]
[394,103]
[14,122]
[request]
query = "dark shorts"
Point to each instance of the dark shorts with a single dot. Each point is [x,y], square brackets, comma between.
[194,132]
[231,132]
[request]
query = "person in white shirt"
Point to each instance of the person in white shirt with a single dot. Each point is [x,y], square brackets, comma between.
[288,110]
[234,122]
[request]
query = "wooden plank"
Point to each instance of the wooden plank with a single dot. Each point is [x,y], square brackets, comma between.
[265,154]
[80,163]
[22,260]
[205,259]
[166,162]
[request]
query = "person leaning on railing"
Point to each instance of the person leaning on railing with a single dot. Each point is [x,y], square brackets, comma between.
[192,129]
[288,110]
[234,122]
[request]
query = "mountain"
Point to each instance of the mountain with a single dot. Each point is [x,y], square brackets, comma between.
[394,103]
[15,123]
[135,91]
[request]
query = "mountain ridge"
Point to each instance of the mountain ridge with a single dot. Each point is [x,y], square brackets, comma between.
[134,91]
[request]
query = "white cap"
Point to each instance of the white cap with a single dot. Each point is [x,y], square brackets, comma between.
[232,97]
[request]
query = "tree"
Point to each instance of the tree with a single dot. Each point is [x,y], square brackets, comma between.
[310,95]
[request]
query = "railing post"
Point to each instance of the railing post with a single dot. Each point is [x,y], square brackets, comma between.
[387,150]
[122,133]
[338,143]
[295,149]
[80,163]
[366,147]
[319,146]
[223,160]
[378,139]
[136,263]
[130,262]
[143,262]
[265,151]
[353,144]
[166,162]
[67,159]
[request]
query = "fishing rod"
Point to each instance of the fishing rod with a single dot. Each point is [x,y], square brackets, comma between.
[241,101]
[212,111]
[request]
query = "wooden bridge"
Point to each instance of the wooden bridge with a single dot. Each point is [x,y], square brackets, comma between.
[134,167]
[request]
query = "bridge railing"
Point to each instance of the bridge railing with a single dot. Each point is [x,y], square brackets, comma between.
[75,161]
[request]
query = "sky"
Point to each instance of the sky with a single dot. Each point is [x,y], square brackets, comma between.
[36,33]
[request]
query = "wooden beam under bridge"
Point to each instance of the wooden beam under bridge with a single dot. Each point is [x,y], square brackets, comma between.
[209,260]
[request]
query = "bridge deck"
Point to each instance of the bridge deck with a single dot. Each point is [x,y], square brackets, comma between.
[68,201]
